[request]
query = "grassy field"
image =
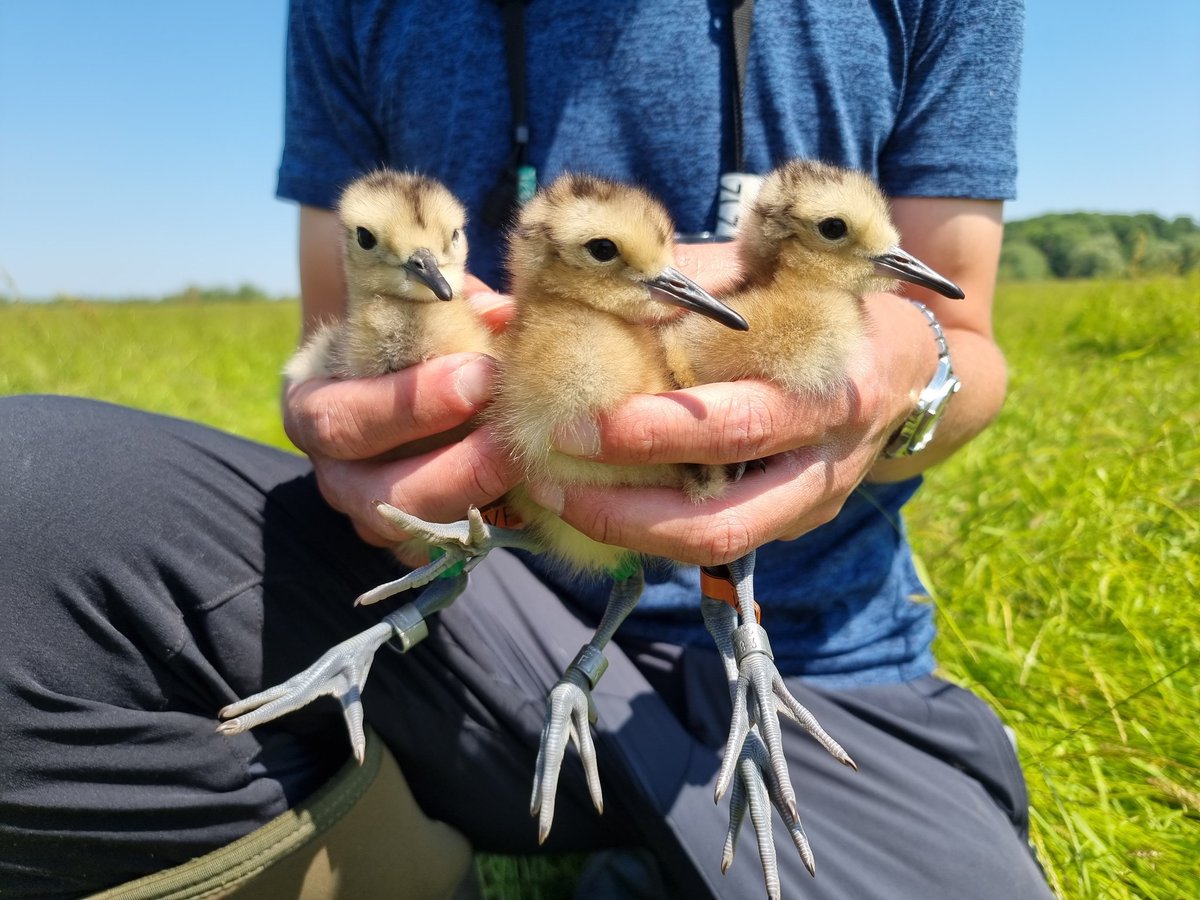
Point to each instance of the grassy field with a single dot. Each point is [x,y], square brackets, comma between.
[1064,543]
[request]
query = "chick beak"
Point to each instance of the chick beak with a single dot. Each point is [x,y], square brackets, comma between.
[423,267]
[672,286]
[895,263]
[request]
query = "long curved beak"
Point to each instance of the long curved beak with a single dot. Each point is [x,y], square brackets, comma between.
[423,267]
[672,286]
[895,263]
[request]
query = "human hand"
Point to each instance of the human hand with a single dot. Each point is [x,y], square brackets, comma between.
[405,438]
[817,450]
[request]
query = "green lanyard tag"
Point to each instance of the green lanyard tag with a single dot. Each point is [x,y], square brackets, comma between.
[526,184]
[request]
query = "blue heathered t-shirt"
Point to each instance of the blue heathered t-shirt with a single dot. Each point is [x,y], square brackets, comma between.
[919,94]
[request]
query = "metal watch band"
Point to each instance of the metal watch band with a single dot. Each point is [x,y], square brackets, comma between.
[915,433]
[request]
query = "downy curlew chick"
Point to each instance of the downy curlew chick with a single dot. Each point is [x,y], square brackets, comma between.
[815,241]
[594,279]
[405,252]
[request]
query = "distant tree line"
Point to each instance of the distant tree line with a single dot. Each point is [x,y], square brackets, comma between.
[1099,245]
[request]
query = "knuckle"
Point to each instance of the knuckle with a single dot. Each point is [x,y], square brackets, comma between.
[726,539]
[337,431]
[487,477]
[603,526]
[747,425]
[643,441]
[826,512]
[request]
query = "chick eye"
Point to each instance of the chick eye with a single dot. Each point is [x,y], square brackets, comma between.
[601,249]
[456,236]
[832,229]
[366,240]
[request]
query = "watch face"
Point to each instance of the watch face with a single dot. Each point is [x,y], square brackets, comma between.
[918,429]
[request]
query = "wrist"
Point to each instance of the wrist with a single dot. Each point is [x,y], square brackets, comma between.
[920,426]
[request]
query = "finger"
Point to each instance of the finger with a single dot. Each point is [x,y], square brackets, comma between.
[713,265]
[439,486]
[363,417]
[797,492]
[496,310]
[713,424]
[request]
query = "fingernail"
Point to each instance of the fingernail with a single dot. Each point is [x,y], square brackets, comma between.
[547,495]
[473,381]
[580,438]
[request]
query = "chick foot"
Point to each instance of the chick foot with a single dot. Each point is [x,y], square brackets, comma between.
[754,750]
[751,793]
[342,671]
[458,548]
[570,711]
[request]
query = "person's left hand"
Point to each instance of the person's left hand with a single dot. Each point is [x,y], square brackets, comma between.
[816,453]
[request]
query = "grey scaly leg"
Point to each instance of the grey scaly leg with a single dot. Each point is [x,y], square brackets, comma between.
[754,751]
[342,671]
[570,711]
[463,543]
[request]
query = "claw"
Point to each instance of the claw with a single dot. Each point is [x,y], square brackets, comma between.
[751,791]
[569,708]
[569,714]
[463,544]
[342,671]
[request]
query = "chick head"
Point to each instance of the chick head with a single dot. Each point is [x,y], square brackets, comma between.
[608,245]
[834,224]
[404,236]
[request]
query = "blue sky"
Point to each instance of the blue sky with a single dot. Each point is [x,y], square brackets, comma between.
[139,140]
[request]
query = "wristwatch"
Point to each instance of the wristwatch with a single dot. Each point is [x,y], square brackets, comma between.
[915,433]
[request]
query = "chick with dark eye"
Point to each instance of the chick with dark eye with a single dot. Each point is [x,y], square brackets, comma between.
[403,248]
[366,239]
[587,334]
[602,249]
[803,296]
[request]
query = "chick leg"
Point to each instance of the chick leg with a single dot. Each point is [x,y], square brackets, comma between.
[756,786]
[754,751]
[570,711]
[462,546]
[342,671]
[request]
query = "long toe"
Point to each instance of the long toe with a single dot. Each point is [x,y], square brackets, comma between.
[341,672]
[568,715]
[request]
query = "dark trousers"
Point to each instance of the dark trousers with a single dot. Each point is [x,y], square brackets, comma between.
[155,570]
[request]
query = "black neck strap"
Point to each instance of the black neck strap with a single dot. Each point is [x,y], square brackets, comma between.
[518,180]
[743,15]
[514,52]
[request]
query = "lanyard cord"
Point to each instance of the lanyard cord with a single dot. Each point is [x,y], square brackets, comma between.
[514,52]
[518,181]
[743,15]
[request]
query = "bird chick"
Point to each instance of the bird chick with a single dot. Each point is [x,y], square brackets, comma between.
[814,242]
[404,249]
[404,252]
[594,282]
[817,239]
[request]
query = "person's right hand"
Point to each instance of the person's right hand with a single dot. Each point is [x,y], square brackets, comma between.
[361,435]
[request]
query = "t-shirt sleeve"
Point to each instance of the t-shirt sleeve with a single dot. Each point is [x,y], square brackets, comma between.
[329,135]
[955,133]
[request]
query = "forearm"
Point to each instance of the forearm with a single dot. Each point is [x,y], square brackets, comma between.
[978,363]
[961,240]
[322,282]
